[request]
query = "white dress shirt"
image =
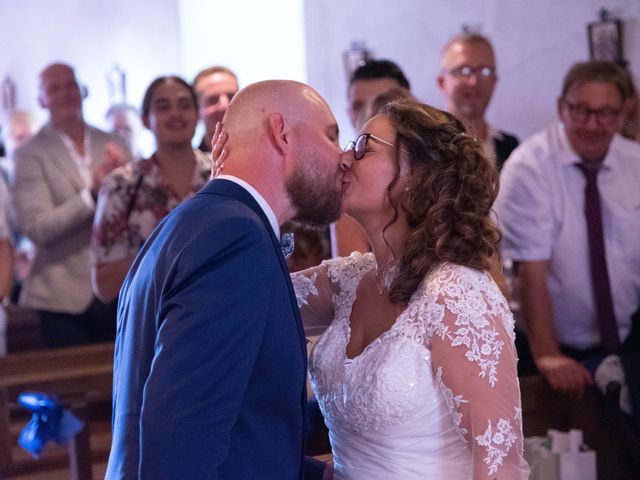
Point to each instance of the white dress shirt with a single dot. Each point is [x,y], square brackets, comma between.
[540,209]
[83,163]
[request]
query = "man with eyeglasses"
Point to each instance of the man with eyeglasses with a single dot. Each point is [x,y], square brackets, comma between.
[214,87]
[569,207]
[467,79]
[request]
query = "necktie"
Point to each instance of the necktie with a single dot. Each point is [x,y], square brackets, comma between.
[598,261]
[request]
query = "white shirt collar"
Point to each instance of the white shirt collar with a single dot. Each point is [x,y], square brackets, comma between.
[258,198]
[83,162]
[570,157]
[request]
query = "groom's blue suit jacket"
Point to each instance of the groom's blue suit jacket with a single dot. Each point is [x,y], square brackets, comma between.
[210,360]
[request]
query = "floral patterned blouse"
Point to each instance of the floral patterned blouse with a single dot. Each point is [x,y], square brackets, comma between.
[133,199]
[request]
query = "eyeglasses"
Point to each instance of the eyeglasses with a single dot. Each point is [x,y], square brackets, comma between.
[359,147]
[580,113]
[465,71]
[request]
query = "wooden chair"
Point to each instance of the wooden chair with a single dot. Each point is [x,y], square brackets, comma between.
[81,377]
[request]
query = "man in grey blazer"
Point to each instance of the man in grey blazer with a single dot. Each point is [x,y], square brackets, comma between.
[57,178]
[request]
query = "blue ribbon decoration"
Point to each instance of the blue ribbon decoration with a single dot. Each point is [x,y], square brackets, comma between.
[48,422]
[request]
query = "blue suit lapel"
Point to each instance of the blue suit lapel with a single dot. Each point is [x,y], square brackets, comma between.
[233,190]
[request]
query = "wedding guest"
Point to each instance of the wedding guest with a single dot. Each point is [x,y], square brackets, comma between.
[563,275]
[369,80]
[467,80]
[215,87]
[58,173]
[6,266]
[136,197]
[366,83]
[19,130]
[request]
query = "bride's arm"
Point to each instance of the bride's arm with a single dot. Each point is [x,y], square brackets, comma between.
[315,298]
[474,360]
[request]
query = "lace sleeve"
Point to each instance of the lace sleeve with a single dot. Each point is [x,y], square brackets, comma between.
[470,331]
[314,295]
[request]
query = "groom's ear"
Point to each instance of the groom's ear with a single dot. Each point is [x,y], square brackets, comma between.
[279,132]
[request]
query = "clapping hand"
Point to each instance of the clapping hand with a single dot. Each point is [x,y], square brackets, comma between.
[114,157]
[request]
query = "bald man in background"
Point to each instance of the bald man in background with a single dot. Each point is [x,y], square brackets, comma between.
[58,173]
[210,360]
[467,79]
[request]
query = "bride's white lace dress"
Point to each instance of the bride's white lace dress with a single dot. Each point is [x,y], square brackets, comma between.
[434,397]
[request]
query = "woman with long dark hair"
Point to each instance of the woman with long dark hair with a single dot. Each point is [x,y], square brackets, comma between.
[134,198]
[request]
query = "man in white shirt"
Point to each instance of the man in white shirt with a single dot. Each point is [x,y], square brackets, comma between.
[543,208]
[57,177]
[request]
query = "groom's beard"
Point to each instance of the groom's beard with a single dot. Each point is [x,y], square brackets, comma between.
[316,194]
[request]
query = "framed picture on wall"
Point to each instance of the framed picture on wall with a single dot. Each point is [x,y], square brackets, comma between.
[605,41]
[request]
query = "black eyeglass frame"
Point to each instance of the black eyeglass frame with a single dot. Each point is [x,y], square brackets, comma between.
[580,113]
[363,139]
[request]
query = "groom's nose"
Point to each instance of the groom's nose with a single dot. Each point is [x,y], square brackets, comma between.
[346,159]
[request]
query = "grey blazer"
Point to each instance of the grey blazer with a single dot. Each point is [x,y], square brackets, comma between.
[51,212]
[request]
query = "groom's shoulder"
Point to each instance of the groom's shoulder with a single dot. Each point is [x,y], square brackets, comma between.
[213,210]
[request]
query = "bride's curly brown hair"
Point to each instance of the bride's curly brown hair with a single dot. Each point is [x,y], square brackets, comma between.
[447,198]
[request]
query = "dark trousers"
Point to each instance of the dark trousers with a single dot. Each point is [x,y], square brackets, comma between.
[96,324]
[591,358]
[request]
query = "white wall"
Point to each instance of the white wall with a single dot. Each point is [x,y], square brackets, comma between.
[304,40]
[147,38]
[258,40]
[141,35]
[535,42]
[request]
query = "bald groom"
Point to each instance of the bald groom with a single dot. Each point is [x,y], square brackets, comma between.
[210,361]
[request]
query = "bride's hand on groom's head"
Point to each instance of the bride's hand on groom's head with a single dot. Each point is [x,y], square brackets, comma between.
[218,152]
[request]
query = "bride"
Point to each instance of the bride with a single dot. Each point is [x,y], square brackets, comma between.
[415,372]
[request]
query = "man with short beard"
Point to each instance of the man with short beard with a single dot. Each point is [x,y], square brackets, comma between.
[467,79]
[210,360]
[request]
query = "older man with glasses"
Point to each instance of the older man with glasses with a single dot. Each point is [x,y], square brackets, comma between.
[569,206]
[467,79]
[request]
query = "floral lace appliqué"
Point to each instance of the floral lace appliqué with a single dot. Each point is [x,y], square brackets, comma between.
[453,404]
[473,303]
[497,441]
[304,286]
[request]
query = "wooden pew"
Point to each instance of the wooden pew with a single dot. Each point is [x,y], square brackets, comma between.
[543,408]
[80,377]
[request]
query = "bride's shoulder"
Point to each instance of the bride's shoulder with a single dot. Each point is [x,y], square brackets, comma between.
[444,275]
[353,266]
[451,279]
